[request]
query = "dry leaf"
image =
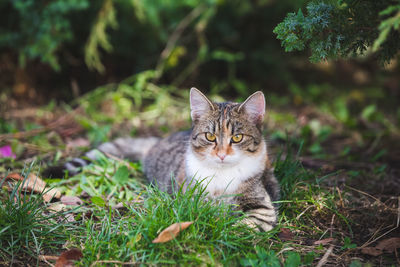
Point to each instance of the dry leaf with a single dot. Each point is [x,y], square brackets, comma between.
[389,245]
[171,232]
[285,234]
[78,142]
[70,217]
[68,257]
[371,251]
[71,200]
[324,241]
[35,184]
[118,206]
[57,207]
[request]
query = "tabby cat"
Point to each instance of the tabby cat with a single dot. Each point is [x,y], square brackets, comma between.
[225,150]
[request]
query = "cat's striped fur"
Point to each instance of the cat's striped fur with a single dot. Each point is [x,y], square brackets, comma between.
[241,170]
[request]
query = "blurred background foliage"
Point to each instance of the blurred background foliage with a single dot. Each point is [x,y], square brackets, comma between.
[217,45]
[133,61]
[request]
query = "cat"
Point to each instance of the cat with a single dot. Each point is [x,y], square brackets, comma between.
[224,150]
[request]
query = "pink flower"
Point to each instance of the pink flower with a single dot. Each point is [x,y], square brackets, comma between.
[6,151]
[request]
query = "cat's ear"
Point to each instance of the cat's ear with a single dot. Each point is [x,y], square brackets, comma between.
[254,107]
[199,104]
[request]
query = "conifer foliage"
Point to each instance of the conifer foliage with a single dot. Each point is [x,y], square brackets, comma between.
[343,28]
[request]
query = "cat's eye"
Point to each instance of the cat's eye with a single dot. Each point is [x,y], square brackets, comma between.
[211,137]
[237,138]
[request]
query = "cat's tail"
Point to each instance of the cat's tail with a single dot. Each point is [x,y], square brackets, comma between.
[134,149]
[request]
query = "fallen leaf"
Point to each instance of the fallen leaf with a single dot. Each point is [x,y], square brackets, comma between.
[71,200]
[171,232]
[68,257]
[324,241]
[119,205]
[35,184]
[57,207]
[285,234]
[371,251]
[70,217]
[389,245]
[78,142]
[50,194]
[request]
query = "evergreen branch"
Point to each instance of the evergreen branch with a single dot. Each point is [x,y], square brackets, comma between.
[342,29]
[98,36]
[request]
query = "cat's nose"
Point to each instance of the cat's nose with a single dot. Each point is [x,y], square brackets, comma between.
[221,155]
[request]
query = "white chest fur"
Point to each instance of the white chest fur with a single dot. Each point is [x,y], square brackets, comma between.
[223,178]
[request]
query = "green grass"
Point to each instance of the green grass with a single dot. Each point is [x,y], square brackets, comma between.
[27,228]
[216,236]
[114,179]
[125,235]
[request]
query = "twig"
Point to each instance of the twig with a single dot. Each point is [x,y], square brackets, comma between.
[387,232]
[185,22]
[45,258]
[379,237]
[374,144]
[304,211]
[375,234]
[20,135]
[284,249]
[324,259]
[332,221]
[340,197]
[24,113]
[364,193]
[48,257]
[398,211]
[120,160]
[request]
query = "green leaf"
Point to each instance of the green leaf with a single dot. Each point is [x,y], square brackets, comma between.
[356,263]
[272,260]
[341,111]
[309,258]
[368,112]
[315,148]
[240,86]
[227,56]
[347,244]
[122,175]
[98,201]
[381,39]
[293,259]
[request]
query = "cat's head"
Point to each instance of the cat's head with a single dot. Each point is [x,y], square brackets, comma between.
[224,133]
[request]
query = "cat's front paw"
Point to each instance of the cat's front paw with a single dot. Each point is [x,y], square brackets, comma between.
[263,219]
[257,224]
